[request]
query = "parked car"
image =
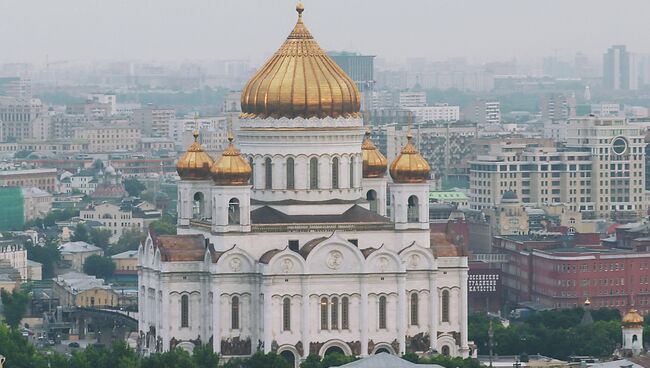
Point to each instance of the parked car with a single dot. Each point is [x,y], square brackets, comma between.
[73,344]
[51,342]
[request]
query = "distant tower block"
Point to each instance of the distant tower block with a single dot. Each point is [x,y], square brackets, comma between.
[587,93]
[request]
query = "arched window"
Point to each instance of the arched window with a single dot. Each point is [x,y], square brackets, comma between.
[234,212]
[334,314]
[345,314]
[185,311]
[445,306]
[313,173]
[250,162]
[197,205]
[413,209]
[371,197]
[445,350]
[352,172]
[234,313]
[286,314]
[291,181]
[268,173]
[414,309]
[382,312]
[323,314]
[335,173]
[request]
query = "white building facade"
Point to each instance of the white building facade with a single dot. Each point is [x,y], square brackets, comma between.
[286,247]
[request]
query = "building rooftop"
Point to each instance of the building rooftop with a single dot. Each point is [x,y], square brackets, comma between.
[129,254]
[78,247]
[385,360]
[448,195]
[78,282]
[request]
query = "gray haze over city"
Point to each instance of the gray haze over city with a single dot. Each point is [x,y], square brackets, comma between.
[173,30]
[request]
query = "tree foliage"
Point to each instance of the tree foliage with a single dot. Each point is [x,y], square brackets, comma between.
[129,240]
[101,267]
[100,237]
[81,233]
[165,226]
[133,186]
[52,217]
[14,305]
[47,255]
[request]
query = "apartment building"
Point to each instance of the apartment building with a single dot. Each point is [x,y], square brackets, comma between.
[117,135]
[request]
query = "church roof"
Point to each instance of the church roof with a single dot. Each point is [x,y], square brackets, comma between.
[356,214]
[300,80]
[266,257]
[180,248]
[385,360]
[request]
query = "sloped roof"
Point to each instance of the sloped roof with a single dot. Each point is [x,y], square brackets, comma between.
[77,247]
[385,360]
[180,248]
[129,254]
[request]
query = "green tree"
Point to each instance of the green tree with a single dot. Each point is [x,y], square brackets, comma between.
[18,352]
[15,306]
[335,360]
[164,226]
[175,358]
[270,360]
[81,233]
[312,361]
[100,237]
[133,186]
[47,255]
[204,357]
[101,267]
[129,240]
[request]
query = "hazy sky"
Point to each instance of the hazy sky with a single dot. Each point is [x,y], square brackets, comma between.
[177,30]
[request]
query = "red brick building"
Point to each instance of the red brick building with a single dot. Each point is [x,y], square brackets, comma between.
[550,272]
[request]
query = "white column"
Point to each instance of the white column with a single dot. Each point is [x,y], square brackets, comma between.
[164,331]
[463,313]
[363,315]
[216,317]
[304,320]
[401,315]
[267,316]
[433,312]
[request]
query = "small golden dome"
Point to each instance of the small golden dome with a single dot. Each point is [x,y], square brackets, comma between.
[195,163]
[410,166]
[231,168]
[300,80]
[587,302]
[374,163]
[632,319]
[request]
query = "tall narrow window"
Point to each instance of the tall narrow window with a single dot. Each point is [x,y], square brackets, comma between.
[414,309]
[445,306]
[335,173]
[234,313]
[382,312]
[291,181]
[352,172]
[250,162]
[345,314]
[197,205]
[268,173]
[413,209]
[371,197]
[323,314]
[286,314]
[334,325]
[185,311]
[233,212]
[313,173]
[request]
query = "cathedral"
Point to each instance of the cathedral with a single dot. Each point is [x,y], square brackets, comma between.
[295,240]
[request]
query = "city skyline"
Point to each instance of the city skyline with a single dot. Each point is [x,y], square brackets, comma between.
[204,30]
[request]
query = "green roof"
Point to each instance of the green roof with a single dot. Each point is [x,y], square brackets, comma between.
[448,195]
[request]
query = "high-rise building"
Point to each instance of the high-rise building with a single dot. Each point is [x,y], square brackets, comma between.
[619,70]
[361,68]
[558,106]
[153,121]
[15,87]
[17,116]
[412,99]
[600,171]
[483,112]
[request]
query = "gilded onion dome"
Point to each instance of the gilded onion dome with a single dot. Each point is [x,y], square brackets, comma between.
[374,163]
[409,166]
[195,163]
[231,168]
[300,80]
[632,319]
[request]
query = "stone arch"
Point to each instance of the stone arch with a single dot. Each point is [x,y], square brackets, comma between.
[286,262]
[198,205]
[417,257]
[371,197]
[235,260]
[448,341]
[383,347]
[334,344]
[284,350]
[187,346]
[383,260]
[330,256]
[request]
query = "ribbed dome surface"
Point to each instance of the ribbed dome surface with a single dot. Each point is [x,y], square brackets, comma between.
[231,168]
[300,80]
[195,163]
[632,319]
[374,162]
[410,166]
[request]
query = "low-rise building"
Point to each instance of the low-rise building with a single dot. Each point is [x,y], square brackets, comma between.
[117,135]
[34,270]
[74,254]
[118,219]
[81,290]
[15,253]
[37,203]
[45,179]
[126,262]
[9,276]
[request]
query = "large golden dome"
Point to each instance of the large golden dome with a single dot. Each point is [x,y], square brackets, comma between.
[300,80]
[410,166]
[632,319]
[231,168]
[374,163]
[195,163]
